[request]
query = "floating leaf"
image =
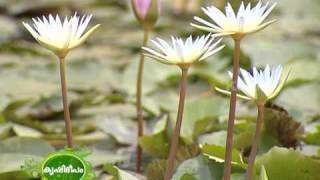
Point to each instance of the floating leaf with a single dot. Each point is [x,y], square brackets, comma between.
[263,174]
[205,108]
[196,169]
[284,164]
[313,137]
[307,93]
[13,153]
[10,164]
[99,157]
[24,131]
[154,73]
[28,146]
[217,153]
[123,130]
[119,174]
[298,69]
[157,144]
[216,138]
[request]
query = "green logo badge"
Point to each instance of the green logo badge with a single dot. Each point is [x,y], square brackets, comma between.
[63,165]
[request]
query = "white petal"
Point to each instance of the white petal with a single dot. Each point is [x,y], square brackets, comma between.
[57,36]
[247,20]
[184,51]
[268,12]
[206,23]
[31,30]
[153,52]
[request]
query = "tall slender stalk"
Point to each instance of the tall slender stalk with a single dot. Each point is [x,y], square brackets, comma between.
[175,140]
[256,142]
[139,108]
[232,112]
[66,112]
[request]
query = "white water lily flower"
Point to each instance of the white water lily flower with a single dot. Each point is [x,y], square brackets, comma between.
[182,52]
[61,36]
[259,86]
[246,20]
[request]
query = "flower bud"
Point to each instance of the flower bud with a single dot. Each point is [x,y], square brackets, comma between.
[146,11]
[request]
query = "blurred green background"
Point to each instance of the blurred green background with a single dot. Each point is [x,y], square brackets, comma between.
[101,79]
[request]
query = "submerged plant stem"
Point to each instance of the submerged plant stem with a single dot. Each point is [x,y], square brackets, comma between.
[256,142]
[66,112]
[175,139]
[232,112]
[139,102]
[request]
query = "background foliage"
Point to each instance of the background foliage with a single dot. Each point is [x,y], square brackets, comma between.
[101,78]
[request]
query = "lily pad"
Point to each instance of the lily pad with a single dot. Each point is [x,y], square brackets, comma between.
[157,144]
[193,169]
[14,151]
[10,164]
[154,73]
[284,164]
[207,109]
[294,100]
[119,174]
[28,146]
[217,154]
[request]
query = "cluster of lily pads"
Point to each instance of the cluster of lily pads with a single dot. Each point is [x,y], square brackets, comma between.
[63,35]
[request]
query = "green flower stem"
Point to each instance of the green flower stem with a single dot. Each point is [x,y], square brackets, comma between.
[175,140]
[66,112]
[256,142]
[232,112]
[139,102]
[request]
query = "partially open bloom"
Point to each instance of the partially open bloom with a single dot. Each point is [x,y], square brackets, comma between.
[182,52]
[146,11]
[246,20]
[60,36]
[260,86]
